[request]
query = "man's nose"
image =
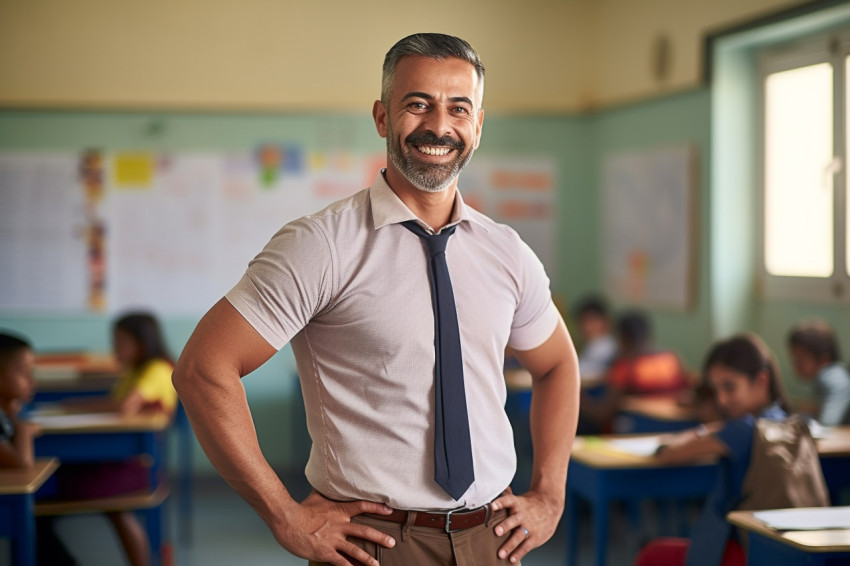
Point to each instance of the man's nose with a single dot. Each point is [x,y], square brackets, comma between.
[437,122]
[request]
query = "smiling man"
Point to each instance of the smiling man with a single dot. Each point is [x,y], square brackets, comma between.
[399,303]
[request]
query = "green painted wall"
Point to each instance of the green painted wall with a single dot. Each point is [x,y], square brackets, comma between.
[724,298]
[272,390]
[684,118]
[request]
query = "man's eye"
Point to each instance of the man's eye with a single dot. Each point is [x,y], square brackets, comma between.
[417,106]
[460,110]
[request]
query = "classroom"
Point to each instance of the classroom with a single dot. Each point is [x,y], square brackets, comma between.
[644,149]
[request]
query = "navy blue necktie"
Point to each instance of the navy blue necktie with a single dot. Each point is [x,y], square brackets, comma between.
[452,447]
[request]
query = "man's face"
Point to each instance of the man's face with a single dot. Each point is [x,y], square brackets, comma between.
[432,120]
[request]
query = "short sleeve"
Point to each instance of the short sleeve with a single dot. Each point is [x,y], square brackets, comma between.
[536,316]
[618,374]
[835,389]
[155,385]
[288,283]
[737,435]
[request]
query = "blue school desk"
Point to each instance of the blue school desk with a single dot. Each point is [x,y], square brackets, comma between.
[601,476]
[64,376]
[834,452]
[108,436]
[768,547]
[650,415]
[17,507]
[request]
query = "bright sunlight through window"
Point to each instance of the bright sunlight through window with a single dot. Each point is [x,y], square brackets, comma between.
[798,172]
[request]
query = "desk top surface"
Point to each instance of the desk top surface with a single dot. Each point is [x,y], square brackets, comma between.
[598,452]
[74,423]
[661,408]
[518,379]
[18,481]
[835,443]
[75,371]
[831,540]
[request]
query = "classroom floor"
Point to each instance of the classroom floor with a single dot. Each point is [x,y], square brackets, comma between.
[226,531]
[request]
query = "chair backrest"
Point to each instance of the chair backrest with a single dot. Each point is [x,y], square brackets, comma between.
[785,469]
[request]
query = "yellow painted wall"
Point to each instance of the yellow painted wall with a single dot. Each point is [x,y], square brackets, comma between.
[623,37]
[325,55]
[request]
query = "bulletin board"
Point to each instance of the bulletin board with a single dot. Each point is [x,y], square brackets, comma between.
[648,223]
[98,231]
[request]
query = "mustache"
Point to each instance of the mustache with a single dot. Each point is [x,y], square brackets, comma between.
[429,138]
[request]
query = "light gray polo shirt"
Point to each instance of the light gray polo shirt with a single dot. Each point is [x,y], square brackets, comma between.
[349,287]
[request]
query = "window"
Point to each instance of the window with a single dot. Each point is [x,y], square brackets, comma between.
[804,234]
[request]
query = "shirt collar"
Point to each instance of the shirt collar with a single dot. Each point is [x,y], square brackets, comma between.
[773,411]
[387,208]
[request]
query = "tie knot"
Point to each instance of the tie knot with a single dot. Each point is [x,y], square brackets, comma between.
[436,242]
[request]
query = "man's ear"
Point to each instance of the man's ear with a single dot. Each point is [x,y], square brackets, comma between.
[379,114]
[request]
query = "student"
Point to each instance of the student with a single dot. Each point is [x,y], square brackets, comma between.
[145,386]
[146,367]
[598,344]
[16,389]
[815,356]
[745,380]
[639,369]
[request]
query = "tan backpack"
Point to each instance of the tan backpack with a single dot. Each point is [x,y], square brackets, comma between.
[784,468]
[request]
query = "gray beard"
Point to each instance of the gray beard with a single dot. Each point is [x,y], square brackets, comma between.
[426,177]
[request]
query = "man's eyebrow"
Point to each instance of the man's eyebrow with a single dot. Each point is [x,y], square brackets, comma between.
[415,94]
[427,96]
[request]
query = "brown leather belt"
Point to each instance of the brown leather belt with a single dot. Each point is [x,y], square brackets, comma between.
[449,522]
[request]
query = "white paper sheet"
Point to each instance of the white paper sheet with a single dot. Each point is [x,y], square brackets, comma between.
[806,519]
[81,420]
[644,446]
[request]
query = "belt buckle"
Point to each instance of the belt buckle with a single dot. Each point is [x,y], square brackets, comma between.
[448,527]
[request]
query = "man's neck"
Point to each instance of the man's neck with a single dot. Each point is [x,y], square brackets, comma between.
[435,209]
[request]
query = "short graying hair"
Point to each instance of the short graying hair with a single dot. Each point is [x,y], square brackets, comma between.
[432,45]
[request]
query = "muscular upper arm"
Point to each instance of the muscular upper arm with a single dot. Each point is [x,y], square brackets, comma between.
[556,352]
[223,343]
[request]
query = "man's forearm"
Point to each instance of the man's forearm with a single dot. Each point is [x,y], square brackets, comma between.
[220,416]
[553,419]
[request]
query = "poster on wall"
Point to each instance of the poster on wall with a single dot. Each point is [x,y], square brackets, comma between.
[183,229]
[648,227]
[520,192]
[43,249]
[172,232]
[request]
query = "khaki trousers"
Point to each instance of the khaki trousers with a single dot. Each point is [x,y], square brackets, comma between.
[426,546]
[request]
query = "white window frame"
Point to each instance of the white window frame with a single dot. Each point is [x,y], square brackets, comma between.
[834,48]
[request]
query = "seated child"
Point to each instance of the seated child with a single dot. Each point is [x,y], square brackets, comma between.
[639,369]
[815,356]
[17,387]
[145,386]
[598,347]
[746,384]
[16,390]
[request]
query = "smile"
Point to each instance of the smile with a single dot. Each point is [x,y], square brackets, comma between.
[432,150]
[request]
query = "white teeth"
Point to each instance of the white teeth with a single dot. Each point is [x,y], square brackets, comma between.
[428,150]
